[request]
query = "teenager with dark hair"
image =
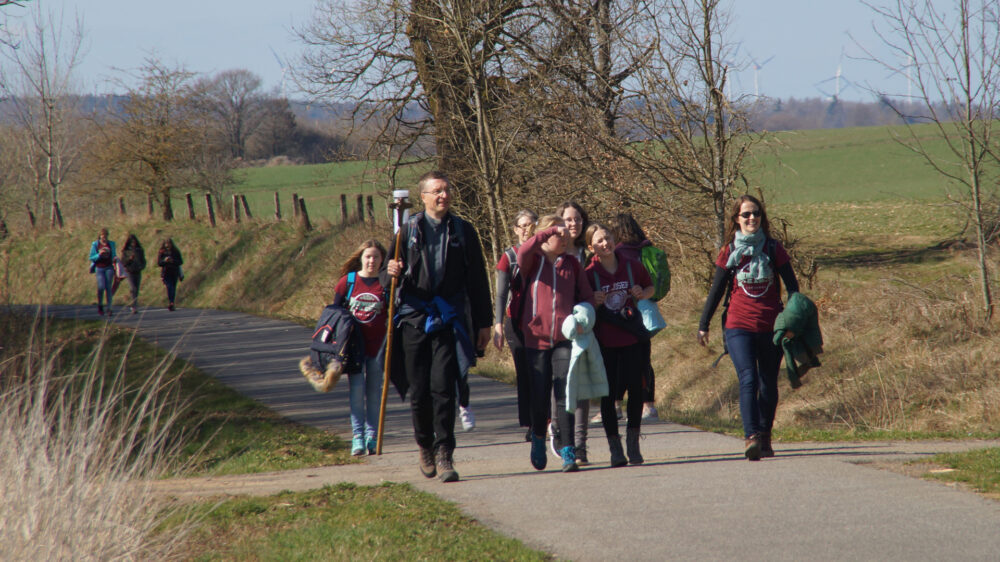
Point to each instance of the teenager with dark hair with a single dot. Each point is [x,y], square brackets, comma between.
[748,269]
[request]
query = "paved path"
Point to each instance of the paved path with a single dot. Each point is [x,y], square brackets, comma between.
[694,498]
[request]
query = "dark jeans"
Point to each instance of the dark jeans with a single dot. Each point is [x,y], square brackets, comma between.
[549,368]
[757,361]
[134,280]
[171,283]
[626,368]
[432,371]
[521,372]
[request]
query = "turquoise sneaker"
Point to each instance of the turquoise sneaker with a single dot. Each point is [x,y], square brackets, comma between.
[358,446]
[371,442]
[568,455]
[538,457]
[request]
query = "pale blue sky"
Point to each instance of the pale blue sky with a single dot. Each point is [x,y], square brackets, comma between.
[805,37]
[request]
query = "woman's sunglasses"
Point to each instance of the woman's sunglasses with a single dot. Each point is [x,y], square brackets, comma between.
[749,214]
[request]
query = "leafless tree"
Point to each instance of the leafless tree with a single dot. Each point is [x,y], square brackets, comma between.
[951,53]
[38,79]
[159,140]
[235,99]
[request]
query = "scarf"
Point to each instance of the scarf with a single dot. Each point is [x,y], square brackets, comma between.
[750,245]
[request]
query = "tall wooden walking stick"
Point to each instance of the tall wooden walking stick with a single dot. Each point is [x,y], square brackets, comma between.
[401,202]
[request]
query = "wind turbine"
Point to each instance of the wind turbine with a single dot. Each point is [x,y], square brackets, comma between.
[284,70]
[756,72]
[837,79]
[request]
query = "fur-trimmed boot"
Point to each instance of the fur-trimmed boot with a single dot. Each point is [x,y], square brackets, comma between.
[632,446]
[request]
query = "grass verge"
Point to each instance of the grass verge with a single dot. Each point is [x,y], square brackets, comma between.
[978,469]
[346,522]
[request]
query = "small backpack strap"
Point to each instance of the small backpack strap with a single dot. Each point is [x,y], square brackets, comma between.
[351,277]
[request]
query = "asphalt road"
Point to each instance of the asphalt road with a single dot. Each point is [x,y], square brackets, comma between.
[696,497]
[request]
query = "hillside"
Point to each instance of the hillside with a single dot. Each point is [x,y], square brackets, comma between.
[906,350]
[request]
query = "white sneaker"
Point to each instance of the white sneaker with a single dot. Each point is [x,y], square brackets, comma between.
[468,420]
[597,419]
[650,413]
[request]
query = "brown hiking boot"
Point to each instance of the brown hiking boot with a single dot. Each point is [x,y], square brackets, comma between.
[446,471]
[765,444]
[427,467]
[752,451]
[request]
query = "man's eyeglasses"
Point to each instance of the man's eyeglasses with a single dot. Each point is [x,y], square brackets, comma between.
[748,214]
[438,192]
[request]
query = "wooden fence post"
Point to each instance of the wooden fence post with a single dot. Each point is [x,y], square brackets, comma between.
[121,206]
[304,214]
[246,207]
[211,210]
[295,205]
[3,230]
[277,207]
[190,203]
[343,208]
[236,208]
[371,210]
[149,202]
[361,208]
[31,215]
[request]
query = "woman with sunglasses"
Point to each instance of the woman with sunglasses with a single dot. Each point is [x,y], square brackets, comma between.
[748,269]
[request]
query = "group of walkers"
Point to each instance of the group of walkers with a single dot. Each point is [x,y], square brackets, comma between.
[110,268]
[567,284]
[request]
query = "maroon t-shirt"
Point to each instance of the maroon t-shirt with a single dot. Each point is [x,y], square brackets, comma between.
[367,305]
[754,303]
[616,286]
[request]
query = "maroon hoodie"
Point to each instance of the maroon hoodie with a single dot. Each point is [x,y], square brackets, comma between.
[551,291]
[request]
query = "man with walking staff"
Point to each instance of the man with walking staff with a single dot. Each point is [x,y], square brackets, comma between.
[442,281]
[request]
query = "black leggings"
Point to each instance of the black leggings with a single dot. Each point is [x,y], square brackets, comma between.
[549,368]
[626,368]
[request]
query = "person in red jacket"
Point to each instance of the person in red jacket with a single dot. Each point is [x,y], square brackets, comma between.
[618,283]
[554,284]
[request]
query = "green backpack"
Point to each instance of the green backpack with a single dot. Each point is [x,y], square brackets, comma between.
[655,262]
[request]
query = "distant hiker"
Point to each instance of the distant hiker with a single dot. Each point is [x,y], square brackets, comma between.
[362,292]
[102,255]
[555,284]
[633,244]
[576,222]
[134,260]
[170,261]
[619,282]
[746,274]
[441,270]
[508,309]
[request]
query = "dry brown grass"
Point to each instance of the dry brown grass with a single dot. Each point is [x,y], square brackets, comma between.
[903,352]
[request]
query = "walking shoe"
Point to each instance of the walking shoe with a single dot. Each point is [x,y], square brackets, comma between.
[133,309]
[555,440]
[427,467]
[581,456]
[597,419]
[371,442]
[765,444]
[468,420]
[445,468]
[568,455]
[632,446]
[358,446]
[100,310]
[538,456]
[752,450]
[649,412]
[170,307]
[617,454]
